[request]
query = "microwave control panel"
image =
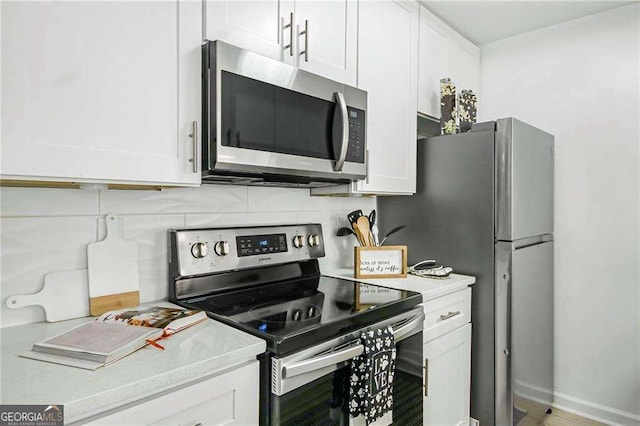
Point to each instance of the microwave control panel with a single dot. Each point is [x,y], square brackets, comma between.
[355,152]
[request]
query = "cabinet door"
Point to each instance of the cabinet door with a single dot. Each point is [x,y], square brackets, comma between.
[190,88]
[443,53]
[388,71]
[329,47]
[464,65]
[227,399]
[90,92]
[262,26]
[448,378]
[433,65]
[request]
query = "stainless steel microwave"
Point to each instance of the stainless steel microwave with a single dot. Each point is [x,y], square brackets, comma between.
[270,123]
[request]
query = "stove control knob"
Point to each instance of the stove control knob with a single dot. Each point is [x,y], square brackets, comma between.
[311,312]
[314,240]
[221,248]
[298,241]
[296,315]
[199,250]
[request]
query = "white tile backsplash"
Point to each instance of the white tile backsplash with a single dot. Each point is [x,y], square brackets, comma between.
[150,232]
[239,219]
[45,230]
[285,199]
[207,198]
[22,202]
[31,247]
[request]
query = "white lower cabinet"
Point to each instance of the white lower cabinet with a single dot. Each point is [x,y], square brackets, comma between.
[447,359]
[227,399]
[448,378]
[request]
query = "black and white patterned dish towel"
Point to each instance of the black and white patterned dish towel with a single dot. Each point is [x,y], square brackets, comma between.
[371,381]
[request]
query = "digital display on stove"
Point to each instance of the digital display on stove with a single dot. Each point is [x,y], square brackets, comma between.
[253,245]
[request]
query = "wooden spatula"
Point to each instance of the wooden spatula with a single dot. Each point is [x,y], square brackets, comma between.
[365,230]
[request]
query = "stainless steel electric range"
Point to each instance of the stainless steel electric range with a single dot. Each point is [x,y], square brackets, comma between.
[266,281]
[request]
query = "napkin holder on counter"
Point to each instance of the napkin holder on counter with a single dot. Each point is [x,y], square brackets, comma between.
[380,262]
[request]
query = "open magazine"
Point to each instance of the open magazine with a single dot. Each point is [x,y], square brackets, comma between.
[114,335]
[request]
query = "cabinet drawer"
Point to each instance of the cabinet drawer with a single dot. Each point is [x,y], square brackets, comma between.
[446,313]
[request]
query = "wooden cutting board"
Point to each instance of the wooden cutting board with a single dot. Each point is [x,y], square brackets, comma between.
[113,271]
[64,295]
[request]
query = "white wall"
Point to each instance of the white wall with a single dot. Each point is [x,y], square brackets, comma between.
[45,230]
[580,81]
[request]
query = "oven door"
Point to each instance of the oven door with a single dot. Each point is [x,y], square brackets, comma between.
[311,387]
[265,116]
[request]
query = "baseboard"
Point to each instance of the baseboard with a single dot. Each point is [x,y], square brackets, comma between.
[473,422]
[594,411]
[533,393]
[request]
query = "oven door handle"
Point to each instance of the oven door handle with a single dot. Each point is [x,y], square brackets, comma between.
[321,361]
[408,328]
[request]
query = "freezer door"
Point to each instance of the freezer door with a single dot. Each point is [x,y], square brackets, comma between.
[524,327]
[524,180]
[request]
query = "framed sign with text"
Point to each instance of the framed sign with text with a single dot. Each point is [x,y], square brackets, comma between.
[380,262]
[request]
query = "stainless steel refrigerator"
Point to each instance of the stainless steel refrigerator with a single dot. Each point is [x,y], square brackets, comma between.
[484,206]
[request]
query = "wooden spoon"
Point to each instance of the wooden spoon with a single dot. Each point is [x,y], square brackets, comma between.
[365,229]
[359,236]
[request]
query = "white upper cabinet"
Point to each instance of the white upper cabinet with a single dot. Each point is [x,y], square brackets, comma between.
[464,64]
[327,38]
[261,26]
[443,53]
[316,35]
[432,66]
[388,71]
[100,91]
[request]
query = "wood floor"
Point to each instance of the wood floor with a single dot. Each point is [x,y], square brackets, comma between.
[537,416]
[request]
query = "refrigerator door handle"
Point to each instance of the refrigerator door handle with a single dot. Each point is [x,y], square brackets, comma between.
[532,241]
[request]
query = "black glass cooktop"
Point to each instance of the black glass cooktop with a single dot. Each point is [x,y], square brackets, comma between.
[293,314]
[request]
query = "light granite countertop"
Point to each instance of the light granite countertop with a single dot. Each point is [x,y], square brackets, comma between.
[429,287]
[197,352]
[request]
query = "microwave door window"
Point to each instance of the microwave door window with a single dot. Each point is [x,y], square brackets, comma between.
[264,117]
[303,125]
[248,113]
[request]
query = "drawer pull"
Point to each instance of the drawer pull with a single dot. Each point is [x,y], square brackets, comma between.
[449,315]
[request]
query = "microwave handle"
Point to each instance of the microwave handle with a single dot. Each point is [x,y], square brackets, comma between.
[340,131]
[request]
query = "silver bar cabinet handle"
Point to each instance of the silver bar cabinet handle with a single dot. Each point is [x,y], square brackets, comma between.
[342,106]
[305,33]
[366,160]
[194,138]
[426,377]
[290,26]
[449,315]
